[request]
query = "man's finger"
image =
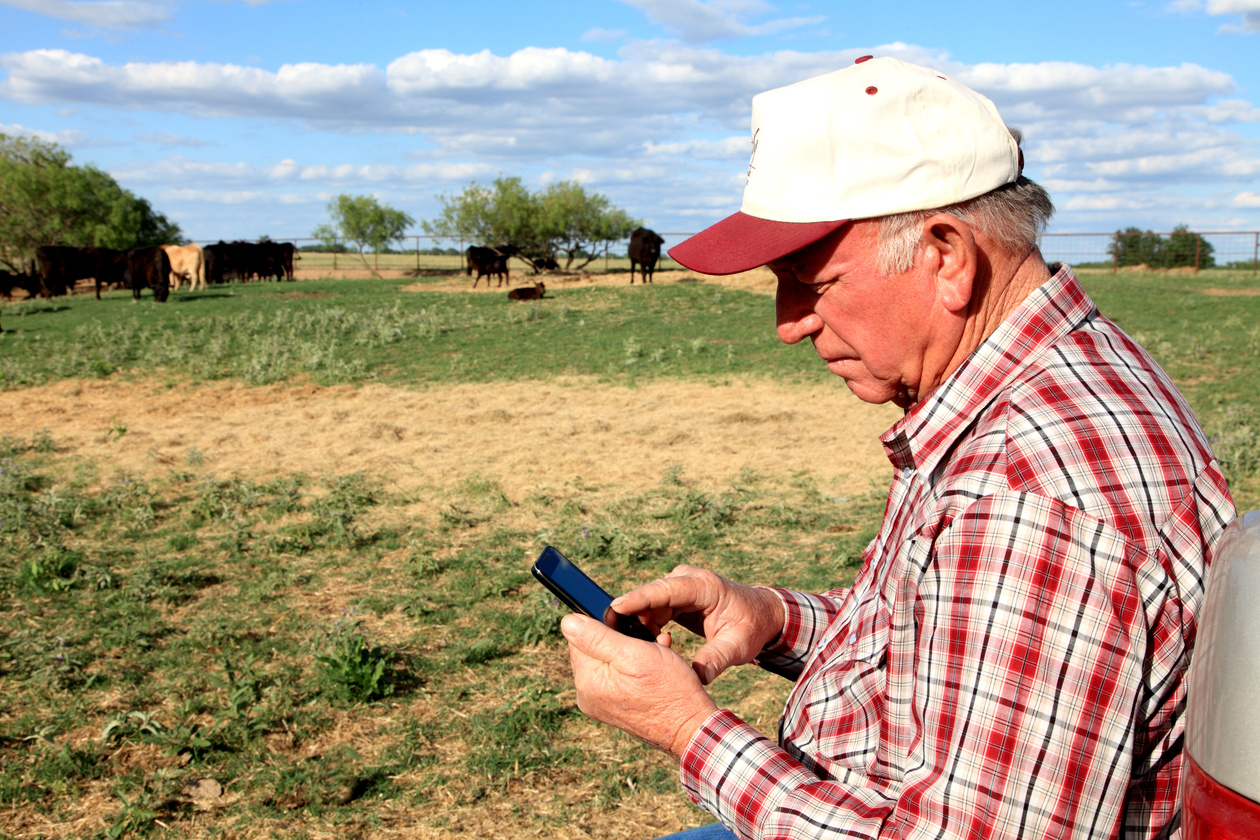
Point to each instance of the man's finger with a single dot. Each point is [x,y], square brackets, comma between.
[672,592]
[712,659]
[594,638]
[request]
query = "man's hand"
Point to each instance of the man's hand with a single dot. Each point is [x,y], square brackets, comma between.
[737,621]
[642,688]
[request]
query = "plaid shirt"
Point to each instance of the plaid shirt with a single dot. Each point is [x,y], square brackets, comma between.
[1010,660]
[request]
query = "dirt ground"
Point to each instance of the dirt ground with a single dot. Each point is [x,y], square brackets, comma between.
[758,280]
[527,435]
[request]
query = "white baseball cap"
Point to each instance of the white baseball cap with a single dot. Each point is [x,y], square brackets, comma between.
[877,138]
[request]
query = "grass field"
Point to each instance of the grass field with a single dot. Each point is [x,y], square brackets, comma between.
[332,632]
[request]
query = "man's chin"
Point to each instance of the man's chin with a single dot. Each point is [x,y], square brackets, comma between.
[876,393]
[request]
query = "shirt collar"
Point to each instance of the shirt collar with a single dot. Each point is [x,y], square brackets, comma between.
[922,437]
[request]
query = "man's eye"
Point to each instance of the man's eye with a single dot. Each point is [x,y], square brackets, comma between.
[819,288]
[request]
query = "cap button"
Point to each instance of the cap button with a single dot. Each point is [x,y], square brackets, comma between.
[863,58]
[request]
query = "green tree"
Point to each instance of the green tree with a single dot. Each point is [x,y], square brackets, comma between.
[1186,248]
[577,222]
[366,222]
[1182,248]
[563,218]
[47,200]
[1133,246]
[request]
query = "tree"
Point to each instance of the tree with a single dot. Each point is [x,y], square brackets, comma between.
[1186,248]
[563,218]
[363,220]
[1182,248]
[47,200]
[576,222]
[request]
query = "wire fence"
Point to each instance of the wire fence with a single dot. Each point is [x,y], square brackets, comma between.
[1179,249]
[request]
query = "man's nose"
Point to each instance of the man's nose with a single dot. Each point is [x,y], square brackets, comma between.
[794,312]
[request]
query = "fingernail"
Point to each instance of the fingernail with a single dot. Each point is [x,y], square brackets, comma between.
[616,602]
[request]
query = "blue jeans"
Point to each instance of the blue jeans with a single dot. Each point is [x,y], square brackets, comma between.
[716,831]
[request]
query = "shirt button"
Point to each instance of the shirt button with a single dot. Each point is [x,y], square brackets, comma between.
[853,639]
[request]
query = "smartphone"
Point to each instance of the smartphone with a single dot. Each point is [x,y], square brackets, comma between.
[581,594]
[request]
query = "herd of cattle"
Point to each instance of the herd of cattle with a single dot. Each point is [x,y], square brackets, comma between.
[162,268]
[645,250]
[59,268]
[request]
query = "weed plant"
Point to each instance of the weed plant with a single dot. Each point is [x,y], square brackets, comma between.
[323,671]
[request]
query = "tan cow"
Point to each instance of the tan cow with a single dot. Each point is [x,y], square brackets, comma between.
[187,262]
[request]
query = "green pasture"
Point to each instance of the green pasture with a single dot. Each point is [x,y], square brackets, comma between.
[169,665]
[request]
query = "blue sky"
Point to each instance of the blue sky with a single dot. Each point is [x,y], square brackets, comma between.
[238,119]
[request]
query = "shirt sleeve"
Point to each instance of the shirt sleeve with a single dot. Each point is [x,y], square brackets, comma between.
[805,620]
[1018,663]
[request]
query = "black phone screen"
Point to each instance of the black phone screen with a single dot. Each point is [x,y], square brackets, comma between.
[581,594]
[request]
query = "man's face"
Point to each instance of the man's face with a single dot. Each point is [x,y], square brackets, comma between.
[870,328]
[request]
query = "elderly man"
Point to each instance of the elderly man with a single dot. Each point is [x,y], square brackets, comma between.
[1010,660]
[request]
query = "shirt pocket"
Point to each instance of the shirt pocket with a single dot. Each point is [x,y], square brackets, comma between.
[847,699]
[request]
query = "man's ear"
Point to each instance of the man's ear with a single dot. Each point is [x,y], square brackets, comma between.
[950,253]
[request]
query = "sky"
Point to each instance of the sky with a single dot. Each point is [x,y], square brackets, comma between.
[243,118]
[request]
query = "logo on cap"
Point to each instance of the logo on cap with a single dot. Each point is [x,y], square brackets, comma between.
[753,155]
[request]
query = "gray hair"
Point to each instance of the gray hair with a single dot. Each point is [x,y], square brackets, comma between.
[1013,215]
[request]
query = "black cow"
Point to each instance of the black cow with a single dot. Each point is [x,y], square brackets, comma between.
[151,268]
[26,282]
[489,261]
[526,293]
[645,250]
[61,266]
[227,261]
[279,258]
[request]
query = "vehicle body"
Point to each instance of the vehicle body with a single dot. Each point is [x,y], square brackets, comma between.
[1221,777]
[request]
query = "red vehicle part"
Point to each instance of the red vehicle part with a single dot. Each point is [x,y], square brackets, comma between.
[1221,778]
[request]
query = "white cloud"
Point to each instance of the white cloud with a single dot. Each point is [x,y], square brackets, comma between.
[1249,11]
[728,149]
[185,171]
[598,34]
[663,124]
[1247,199]
[105,14]
[164,138]
[700,21]
[70,138]
[1232,7]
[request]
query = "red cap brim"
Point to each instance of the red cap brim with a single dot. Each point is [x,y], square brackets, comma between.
[741,243]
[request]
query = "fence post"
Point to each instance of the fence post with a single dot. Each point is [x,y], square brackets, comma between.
[336,248]
[1198,246]
[1115,258]
[1255,256]
[605,256]
[417,255]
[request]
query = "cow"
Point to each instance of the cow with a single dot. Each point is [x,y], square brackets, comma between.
[547,263]
[487,261]
[274,259]
[25,282]
[645,250]
[525,293]
[60,266]
[188,262]
[148,267]
[226,261]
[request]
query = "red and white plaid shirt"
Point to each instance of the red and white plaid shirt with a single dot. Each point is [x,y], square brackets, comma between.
[1010,661]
